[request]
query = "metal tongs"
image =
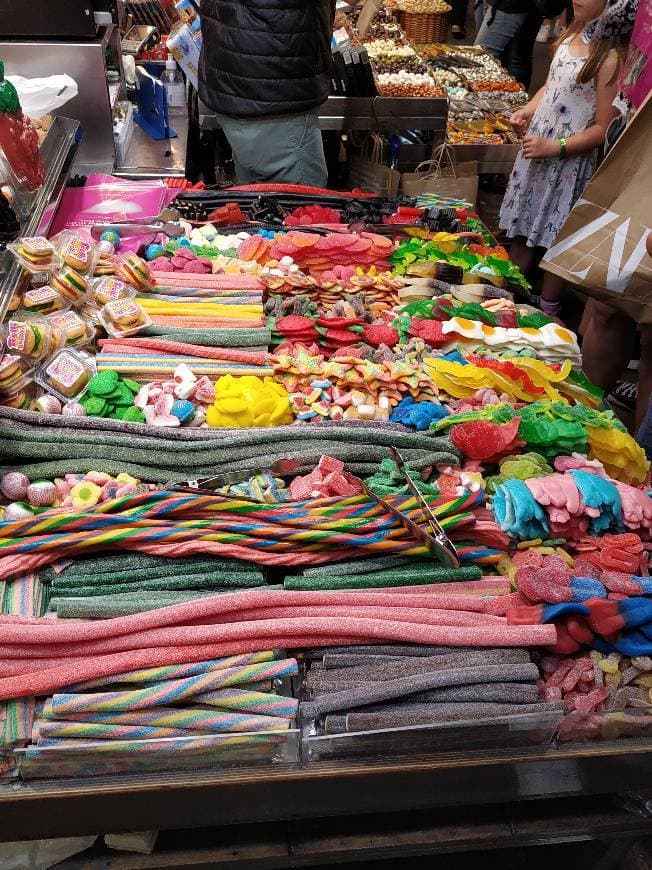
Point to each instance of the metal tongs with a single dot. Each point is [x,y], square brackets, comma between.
[280,468]
[168,222]
[434,538]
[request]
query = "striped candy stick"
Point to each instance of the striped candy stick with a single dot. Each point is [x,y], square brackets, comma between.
[176,672]
[172,691]
[189,718]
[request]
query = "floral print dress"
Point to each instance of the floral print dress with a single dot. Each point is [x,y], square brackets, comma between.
[541,193]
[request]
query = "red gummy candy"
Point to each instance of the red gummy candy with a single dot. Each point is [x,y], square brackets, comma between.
[294,323]
[589,703]
[429,330]
[377,334]
[487,441]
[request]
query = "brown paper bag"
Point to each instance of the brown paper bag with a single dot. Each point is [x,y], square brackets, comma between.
[601,247]
[443,176]
[369,173]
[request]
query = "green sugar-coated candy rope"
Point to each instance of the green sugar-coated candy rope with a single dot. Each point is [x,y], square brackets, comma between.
[170,583]
[371,581]
[258,338]
[252,577]
[363,566]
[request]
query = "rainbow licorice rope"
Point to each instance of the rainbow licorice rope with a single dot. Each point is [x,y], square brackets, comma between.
[310,532]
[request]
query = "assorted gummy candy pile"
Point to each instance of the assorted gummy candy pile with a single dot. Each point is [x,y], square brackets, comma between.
[332,348]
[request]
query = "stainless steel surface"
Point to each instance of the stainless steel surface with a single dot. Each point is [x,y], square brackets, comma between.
[149,158]
[366,113]
[85,63]
[168,228]
[58,152]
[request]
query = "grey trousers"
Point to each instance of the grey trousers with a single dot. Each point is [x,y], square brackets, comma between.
[287,149]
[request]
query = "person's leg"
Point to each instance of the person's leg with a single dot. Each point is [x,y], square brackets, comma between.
[521,255]
[498,30]
[521,49]
[643,402]
[608,344]
[287,149]
[458,17]
[551,290]
[480,10]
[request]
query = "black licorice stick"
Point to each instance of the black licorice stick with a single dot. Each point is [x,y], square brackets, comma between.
[354,658]
[408,665]
[363,695]
[491,713]
[507,693]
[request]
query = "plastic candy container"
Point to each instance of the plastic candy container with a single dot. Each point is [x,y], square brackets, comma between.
[66,375]
[35,253]
[131,269]
[42,300]
[34,339]
[73,287]
[107,289]
[76,330]
[14,374]
[124,317]
[76,252]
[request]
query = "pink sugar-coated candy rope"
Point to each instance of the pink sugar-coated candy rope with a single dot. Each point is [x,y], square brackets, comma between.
[218,605]
[23,563]
[206,322]
[218,282]
[44,682]
[381,629]
[463,587]
[400,614]
[500,605]
[163,345]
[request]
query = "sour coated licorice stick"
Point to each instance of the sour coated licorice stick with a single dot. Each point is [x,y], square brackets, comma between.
[380,629]
[404,686]
[46,631]
[190,719]
[176,672]
[169,692]
[265,705]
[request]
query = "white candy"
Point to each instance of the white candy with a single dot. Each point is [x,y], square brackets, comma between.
[183,373]
[184,390]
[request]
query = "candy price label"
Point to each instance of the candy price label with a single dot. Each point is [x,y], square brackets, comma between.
[16,334]
[65,369]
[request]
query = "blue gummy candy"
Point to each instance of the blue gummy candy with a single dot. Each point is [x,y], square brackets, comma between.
[183,410]
[184,243]
[154,251]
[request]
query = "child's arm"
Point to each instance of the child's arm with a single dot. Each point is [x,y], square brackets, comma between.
[522,117]
[537,148]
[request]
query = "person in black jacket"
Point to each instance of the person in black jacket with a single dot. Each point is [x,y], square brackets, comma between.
[509,31]
[265,69]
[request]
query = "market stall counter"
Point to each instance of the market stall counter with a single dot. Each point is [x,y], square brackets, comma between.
[300,497]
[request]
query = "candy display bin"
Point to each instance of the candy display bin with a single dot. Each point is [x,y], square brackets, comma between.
[606,726]
[138,758]
[447,738]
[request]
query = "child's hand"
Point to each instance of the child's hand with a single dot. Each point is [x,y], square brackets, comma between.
[521,118]
[538,148]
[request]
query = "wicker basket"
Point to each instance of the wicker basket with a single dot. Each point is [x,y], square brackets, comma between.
[424,27]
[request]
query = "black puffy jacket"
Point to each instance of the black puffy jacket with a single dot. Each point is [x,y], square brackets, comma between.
[265,57]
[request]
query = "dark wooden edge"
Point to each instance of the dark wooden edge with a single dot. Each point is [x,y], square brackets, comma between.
[316,790]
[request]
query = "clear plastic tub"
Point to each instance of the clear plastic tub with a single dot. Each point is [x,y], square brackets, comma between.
[124,317]
[66,375]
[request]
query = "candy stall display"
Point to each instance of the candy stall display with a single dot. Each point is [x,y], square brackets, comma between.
[279,492]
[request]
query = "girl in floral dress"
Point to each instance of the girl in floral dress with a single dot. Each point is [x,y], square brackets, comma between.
[566,123]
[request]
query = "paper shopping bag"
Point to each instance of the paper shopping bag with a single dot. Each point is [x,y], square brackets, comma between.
[601,246]
[368,172]
[442,175]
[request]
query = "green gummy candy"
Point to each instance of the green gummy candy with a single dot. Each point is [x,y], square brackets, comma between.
[96,407]
[103,383]
[133,415]
[124,397]
[133,386]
